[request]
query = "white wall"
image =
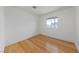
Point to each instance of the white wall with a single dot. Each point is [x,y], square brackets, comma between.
[19,24]
[66,26]
[1,29]
[77,27]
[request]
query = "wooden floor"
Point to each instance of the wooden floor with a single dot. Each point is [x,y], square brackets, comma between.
[41,44]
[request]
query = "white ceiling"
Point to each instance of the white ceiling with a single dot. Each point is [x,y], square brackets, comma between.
[40,9]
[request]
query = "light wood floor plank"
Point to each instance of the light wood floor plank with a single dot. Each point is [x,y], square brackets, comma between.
[41,44]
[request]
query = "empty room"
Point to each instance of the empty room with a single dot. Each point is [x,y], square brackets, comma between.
[39,29]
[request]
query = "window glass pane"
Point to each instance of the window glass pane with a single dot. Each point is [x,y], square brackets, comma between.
[48,22]
[56,20]
[53,21]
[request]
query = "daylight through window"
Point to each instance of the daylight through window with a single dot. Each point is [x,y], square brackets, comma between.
[52,22]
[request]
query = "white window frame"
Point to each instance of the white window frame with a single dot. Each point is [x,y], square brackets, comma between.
[52,22]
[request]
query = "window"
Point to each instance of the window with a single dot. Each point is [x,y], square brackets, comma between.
[52,22]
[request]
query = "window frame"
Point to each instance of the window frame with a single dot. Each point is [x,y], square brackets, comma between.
[53,24]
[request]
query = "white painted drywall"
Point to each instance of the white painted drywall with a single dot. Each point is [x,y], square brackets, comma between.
[19,25]
[66,26]
[77,27]
[1,29]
